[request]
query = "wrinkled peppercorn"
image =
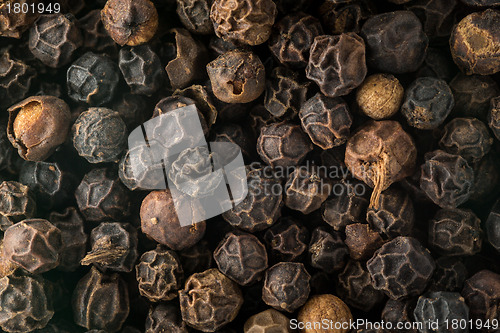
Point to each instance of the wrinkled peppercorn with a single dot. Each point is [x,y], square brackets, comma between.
[287,240]
[16,203]
[266,322]
[15,79]
[494,116]
[131,22]
[100,301]
[388,51]
[306,190]
[446,179]
[93,79]
[95,36]
[241,257]
[481,293]
[474,41]
[195,16]
[286,286]
[14,23]
[437,17]
[326,120]
[159,274]
[345,16]
[237,77]
[362,240]
[389,268]
[247,21]
[101,196]
[380,96]
[159,221]
[165,318]
[209,300]
[327,251]
[449,275]
[492,226]
[325,307]
[428,101]
[54,39]
[37,126]
[337,63]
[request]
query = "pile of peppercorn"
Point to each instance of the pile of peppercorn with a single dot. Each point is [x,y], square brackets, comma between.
[370,130]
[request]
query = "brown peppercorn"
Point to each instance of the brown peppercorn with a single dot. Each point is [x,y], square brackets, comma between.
[15,79]
[379,154]
[287,240]
[195,16]
[131,22]
[345,16]
[472,94]
[38,125]
[284,44]
[209,300]
[33,244]
[474,43]
[337,63]
[17,203]
[269,321]
[159,221]
[380,96]
[327,251]
[325,307]
[237,77]
[245,21]
[362,241]
[12,23]
[482,294]
[306,190]
[494,116]
[400,311]
[286,286]
[283,144]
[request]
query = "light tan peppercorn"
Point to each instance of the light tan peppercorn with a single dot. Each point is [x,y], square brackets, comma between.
[325,307]
[380,96]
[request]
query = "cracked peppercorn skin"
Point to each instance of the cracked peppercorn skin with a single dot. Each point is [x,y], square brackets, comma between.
[474,43]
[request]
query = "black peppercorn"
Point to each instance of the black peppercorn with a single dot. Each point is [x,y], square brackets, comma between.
[481,295]
[195,16]
[362,240]
[15,79]
[165,318]
[287,240]
[95,36]
[16,203]
[492,227]
[306,190]
[327,251]
[450,274]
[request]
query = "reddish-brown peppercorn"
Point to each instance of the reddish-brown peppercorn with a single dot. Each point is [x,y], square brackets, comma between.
[38,125]
[362,241]
[159,221]
[325,307]
[482,294]
[131,22]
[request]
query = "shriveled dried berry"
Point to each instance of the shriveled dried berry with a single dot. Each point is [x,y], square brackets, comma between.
[347,205]
[441,307]
[428,101]
[397,53]
[345,16]
[482,295]
[261,207]
[437,17]
[113,247]
[165,318]
[467,137]
[101,196]
[355,287]
[24,304]
[286,286]
[247,21]
[13,23]
[380,96]
[53,187]
[474,41]
[237,76]
[54,39]
[446,179]
[284,93]
[337,63]
[131,22]
[99,135]
[327,251]
[395,214]
[141,69]
[401,268]
[266,322]
[196,258]
[492,226]
[92,79]
[283,144]
[306,190]
[455,232]
[17,203]
[95,36]
[187,58]
[292,37]
[209,300]
[33,244]
[287,240]
[241,257]
[326,120]
[159,274]
[362,240]
[15,79]
[159,221]
[100,301]
[38,125]
[325,307]
[450,274]
[195,16]
[400,312]
[380,153]
[73,236]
